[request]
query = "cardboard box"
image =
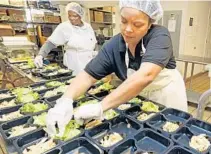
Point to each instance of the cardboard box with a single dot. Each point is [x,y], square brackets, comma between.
[14,11]
[6,30]
[3,11]
[107,8]
[17,17]
[107,17]
[37,19]
[52,19]
[91,12]
[98,16]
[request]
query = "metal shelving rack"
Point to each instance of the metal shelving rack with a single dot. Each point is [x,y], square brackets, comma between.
[29,22]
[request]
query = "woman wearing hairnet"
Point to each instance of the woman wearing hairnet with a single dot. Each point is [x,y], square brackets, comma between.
[141,56]
[77,35]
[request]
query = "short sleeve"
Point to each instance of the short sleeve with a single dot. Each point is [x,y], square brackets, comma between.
[158,50]
[101,65]
[60,35]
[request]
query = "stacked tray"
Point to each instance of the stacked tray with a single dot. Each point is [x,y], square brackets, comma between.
[51,74]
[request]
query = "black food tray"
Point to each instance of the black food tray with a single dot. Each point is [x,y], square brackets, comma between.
[183,137]
[150,141]
[31,139]
[176,115]
[199,127]
[157,122]
[46,76]
[179,150]
[6,127]
[8,99]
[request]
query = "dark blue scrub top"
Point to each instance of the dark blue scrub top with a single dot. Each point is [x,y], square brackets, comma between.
[111,58]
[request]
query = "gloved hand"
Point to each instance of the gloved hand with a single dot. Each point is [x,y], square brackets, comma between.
[89,111]
[38,61]
[61,114]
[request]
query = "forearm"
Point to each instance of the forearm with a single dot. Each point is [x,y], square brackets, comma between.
[126,91]
[132,86]
[79,85]
[46,49]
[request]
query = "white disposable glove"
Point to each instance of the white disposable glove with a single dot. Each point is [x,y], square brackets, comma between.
[88,112]
[38,61]
[61,114]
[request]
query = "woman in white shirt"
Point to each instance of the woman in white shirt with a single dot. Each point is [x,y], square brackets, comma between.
[77,36]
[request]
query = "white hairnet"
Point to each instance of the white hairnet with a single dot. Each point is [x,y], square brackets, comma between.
[151,7]
[75,7]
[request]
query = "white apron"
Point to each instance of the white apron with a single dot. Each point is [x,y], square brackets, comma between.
[79,50]
[168,88]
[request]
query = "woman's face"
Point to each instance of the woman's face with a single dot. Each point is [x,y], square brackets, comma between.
[74,18]
[134,25]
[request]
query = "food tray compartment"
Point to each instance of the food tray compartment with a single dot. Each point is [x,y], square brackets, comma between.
[179,150]
[35,102]
[160,106]
[183,138]
[54,86]
[125,125]
[123,107]
[8,111]
[77,103]
[100,95]
[151,141]
[39,85]
[97,133]
[49,77]
[135,111]
[52,100]
[127,147]
[16,108]
[135,100]
[199,127]
[56,150]
[66,79]
[110,114]
[8,99]
[4,92]
[49,89]
[80,145]
[176,115]
[6,127]
[38,123]
[31,139]
[37,72]
[157,122]
[28,138]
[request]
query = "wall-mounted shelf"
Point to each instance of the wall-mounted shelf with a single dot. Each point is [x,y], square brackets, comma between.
[24,7]
[100,10]
[24,22]
[107,23]
[30,19]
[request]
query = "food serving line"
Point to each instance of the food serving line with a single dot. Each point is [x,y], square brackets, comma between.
[139,125]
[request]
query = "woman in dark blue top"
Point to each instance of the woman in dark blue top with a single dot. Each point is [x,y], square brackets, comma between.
[141,56]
